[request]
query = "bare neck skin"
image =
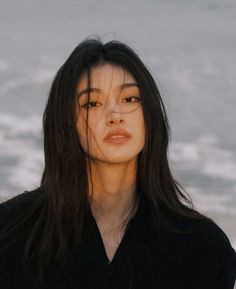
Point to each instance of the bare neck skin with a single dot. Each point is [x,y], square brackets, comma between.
[114,190]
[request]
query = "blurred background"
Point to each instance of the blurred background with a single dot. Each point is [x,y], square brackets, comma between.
[189,47]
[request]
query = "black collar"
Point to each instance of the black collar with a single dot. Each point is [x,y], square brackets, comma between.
[87,263]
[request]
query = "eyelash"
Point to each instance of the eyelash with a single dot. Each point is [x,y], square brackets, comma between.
[86,104]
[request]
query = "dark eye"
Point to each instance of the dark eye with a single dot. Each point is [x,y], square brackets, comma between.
[134,97]
[93,104]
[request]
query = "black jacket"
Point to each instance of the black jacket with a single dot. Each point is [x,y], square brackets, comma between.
[148,257]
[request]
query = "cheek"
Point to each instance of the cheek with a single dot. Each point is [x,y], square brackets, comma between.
[139,121]
[80,126]
[141,128]
[81,130]
[91,132]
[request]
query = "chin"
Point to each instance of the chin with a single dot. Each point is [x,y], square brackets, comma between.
[119,157]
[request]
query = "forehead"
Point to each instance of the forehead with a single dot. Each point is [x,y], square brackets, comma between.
[105,75]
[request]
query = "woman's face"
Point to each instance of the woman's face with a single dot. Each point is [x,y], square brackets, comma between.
[112,106]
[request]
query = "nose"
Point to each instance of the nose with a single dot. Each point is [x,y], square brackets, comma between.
[115,117]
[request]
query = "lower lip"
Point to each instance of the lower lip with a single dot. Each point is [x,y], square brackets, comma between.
[119,140]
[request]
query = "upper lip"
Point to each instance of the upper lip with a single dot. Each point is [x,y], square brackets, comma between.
[117,132]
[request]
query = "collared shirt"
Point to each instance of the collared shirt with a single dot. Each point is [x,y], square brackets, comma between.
[148,256]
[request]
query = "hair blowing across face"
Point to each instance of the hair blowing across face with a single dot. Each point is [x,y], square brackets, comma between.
[62,197]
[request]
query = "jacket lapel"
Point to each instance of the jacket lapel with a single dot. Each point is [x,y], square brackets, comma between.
[87,267]
[134,256]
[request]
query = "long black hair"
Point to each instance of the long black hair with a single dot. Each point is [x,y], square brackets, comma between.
[64,184]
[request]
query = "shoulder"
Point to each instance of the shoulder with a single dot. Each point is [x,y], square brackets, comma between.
[211,243]
[20,199]
[201,225]
[200,234]
[213,235]
[217,238]
[10,203]
[225,255]
[17,207]
[204,247]
[207,231]
[13,233]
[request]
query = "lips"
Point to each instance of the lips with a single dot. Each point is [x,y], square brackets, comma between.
[118,133]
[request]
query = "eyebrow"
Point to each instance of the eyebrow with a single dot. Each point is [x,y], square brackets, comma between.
[93,89]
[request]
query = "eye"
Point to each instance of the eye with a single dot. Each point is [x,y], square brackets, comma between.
[133,97]
[93,104]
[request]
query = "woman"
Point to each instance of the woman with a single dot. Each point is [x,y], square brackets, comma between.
[108,213]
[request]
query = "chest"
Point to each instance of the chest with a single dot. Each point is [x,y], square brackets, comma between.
[111,243]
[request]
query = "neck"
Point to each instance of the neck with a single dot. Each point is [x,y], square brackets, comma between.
[112,190]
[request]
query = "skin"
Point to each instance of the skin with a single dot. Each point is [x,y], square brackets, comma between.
[113,167]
